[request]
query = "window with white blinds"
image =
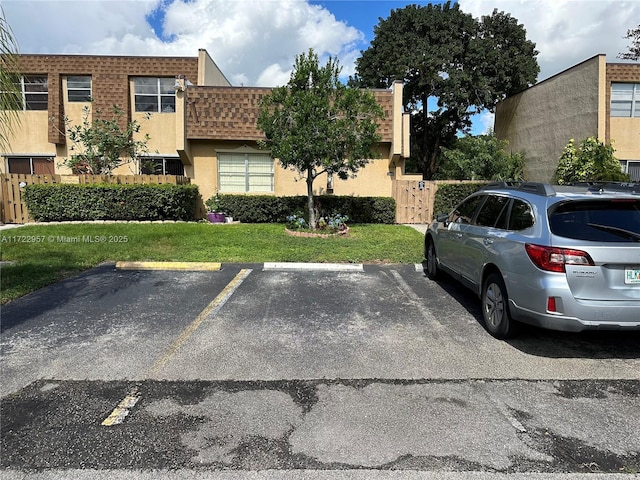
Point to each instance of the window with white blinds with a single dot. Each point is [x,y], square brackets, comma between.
[625,100]
[245,173]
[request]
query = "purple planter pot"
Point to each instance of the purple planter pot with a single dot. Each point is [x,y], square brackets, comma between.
[216,217]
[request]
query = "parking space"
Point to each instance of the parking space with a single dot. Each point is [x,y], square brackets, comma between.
[259,368]
[376,322]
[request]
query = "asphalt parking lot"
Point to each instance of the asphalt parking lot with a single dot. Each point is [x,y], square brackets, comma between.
[269,367]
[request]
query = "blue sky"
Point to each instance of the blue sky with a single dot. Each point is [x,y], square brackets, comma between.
[255,42]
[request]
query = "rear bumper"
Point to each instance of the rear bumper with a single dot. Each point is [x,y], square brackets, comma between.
[620,317]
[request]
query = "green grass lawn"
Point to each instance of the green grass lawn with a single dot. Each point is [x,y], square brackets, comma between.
[44,254]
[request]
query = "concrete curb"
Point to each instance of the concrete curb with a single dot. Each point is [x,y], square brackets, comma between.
[326,267]
[192,266]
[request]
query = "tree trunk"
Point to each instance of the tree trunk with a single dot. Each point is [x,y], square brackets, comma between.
[310,202]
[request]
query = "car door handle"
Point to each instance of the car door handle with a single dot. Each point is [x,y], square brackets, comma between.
[487,241]
[458,235]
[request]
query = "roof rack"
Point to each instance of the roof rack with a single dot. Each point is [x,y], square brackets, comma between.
[538,188]
[628,187]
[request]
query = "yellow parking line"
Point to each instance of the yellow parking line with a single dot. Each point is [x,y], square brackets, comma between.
[216,304]
[200,266]
[122,410]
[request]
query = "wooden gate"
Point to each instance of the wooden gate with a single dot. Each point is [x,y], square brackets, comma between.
[13,208]
[414,200]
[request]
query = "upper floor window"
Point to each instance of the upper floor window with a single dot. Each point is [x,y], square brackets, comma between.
[34,90]
[153,94]
[625,100]
[79,88]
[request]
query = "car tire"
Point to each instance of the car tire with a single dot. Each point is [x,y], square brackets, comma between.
[495,307]
[431,260]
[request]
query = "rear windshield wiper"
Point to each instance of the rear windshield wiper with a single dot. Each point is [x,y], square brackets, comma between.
[619,231]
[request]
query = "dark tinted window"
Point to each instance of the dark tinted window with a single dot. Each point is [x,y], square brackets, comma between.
[491,211]
[162,166]
[521,216]
[597,220]
[465,211]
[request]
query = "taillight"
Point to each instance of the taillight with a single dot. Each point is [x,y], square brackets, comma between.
[554,259]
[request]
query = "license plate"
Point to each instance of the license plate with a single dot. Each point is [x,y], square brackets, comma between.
[631,275]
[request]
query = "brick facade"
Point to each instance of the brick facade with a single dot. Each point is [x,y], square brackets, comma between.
[110,79]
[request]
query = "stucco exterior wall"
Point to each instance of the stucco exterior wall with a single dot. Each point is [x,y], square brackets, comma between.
[30,134]
[540,121]
[624,133]
[372,180]
[625,137]
[208,71]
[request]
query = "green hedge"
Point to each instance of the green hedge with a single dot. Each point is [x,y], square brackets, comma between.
[60,202]
[448,196]
[270,209]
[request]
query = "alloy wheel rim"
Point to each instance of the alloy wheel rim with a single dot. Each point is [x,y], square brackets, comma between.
[494,305]
[431,258]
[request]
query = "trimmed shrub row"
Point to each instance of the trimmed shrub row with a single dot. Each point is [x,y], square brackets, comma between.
[270,209]
[448,196]
[63,202]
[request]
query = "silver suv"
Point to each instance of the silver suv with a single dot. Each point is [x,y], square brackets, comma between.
[563,258]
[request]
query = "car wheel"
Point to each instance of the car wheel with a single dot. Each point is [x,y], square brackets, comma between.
[431,269]
[495,307]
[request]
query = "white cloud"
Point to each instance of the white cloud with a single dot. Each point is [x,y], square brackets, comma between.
[567,32]
[482,123]
[253,42]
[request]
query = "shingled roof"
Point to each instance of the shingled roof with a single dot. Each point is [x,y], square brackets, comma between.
[231,113]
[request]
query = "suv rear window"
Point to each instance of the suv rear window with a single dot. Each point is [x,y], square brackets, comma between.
[597,220]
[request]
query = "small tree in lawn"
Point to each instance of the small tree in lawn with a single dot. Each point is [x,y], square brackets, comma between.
[101,145]
[316,125]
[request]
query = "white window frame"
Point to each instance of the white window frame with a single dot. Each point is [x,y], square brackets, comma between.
[630,100]
[77,88]
[27,90]
[154,94]
[245,176]
[625,164]
[47,158]
[163,162]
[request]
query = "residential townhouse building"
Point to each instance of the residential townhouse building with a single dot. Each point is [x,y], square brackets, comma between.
[198,123]
[591,99]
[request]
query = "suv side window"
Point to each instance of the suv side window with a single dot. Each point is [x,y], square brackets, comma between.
[491,212]
[521,215]
[465,211]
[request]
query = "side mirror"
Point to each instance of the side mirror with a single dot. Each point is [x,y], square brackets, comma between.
[443,218]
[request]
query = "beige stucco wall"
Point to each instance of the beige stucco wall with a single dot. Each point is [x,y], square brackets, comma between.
[541,120]
[372,180]
[30,135]
[208,72]
[161,128]
[625,137]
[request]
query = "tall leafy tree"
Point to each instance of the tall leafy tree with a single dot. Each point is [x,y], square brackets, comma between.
[316,125]
[10,95]
[453,66]
[481,157]
[634,48]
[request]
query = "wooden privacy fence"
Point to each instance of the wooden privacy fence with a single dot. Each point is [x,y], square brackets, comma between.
[131,179]
[415,199]
[13,209]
